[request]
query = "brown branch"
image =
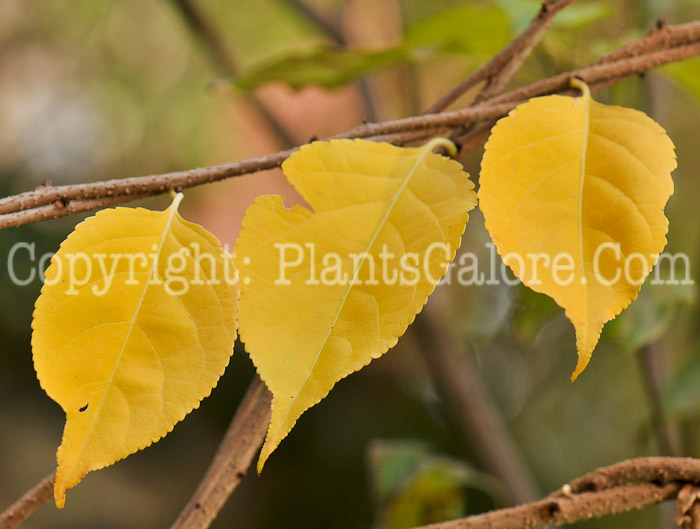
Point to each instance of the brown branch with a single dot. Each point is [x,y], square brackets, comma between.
[139,185]
[63,207]
[514,56]
[475,138]
[431,121]
[404,138]
[243,438]
[596,75]
[688,507]
[649,469]
[27,504]
[511,57]
[599,75]
[662,36]
[220,55]
[563,511]
[622,487]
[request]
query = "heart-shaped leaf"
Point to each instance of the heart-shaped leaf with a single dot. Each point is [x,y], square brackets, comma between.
[325,292]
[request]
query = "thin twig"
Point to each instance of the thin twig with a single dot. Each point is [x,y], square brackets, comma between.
[243,438]
[598,74]
[661,36]
[520,49]
[660,422]
[331,29]
[27,504]
[221,57]
[475,138]
[471,409]
[512,54]
[428,121]
[625,486]
[530,38]
[336,34]
[63,207]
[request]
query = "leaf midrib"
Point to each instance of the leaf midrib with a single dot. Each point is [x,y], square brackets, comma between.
[132,323]
[427,148]
[584,153]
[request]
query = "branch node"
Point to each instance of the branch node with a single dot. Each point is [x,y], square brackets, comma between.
[544,8]
[550,509]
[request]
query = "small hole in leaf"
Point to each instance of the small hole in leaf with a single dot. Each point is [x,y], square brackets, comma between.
[81,410]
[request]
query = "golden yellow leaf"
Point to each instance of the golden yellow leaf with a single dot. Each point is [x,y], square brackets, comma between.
[133,328]
[573,193]
[316,302]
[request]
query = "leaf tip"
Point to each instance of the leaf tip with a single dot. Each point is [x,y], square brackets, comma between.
[583,359]
[264,454]
[59,493]
[60,500]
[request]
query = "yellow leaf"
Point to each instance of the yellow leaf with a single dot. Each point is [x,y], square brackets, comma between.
[316,302]
[133,328]
[573,193]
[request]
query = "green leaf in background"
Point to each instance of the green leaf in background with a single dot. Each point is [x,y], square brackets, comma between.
[649,317]
[323,66]
[467,30]
[415,487]
[681,397]
[533,312]
[686,74]
[574,16]
[577,16]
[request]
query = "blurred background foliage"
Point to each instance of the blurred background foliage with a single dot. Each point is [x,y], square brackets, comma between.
[98,89]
